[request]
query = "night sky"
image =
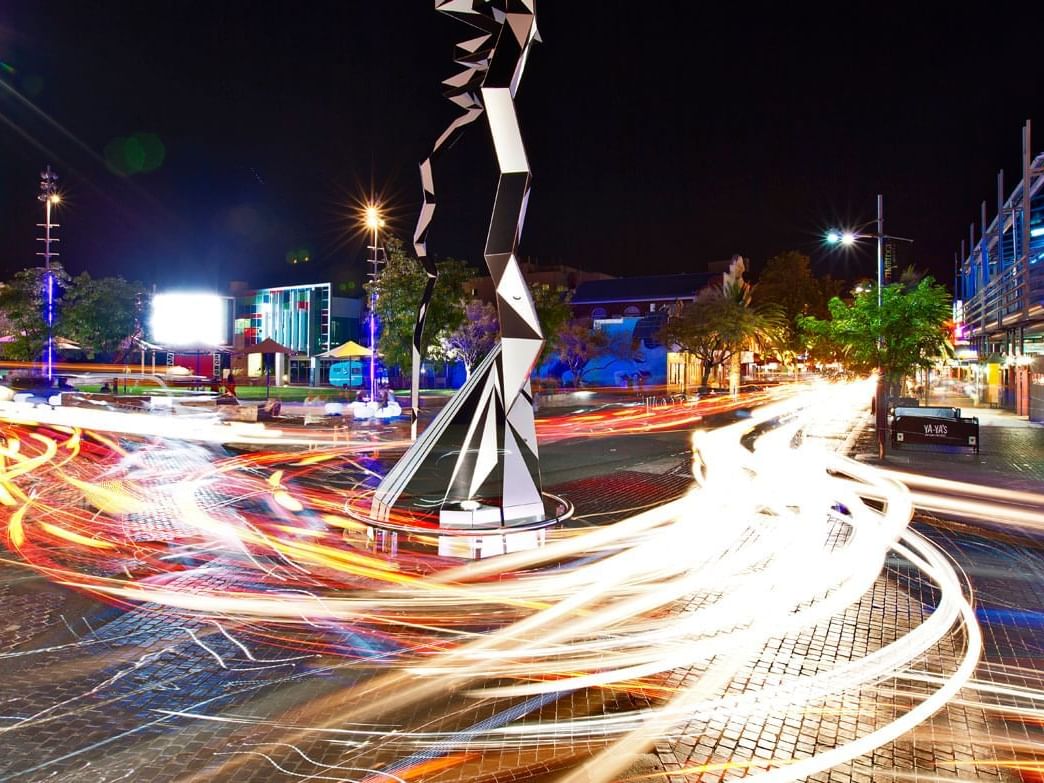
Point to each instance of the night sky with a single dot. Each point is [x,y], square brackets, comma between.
[662,135]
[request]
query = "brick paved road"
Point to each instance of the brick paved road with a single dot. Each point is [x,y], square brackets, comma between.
[94,693]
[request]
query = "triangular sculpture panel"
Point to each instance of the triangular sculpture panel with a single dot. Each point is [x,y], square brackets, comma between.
[477,462]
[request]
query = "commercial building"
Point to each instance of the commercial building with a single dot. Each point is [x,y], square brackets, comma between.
[630,312]
[306,319]
[633,297]
[999,294]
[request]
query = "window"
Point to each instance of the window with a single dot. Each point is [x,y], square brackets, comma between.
[598,312]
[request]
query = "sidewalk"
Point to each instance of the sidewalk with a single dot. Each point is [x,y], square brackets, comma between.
[1011,451]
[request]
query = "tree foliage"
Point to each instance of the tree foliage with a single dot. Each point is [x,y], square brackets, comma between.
[721,322]
[474,338]
[577,344]
[907,332]
[22,302]
[554,312]
[101,314]
[399,290]
[787,283]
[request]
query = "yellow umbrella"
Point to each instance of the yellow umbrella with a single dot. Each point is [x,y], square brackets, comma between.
[349,350]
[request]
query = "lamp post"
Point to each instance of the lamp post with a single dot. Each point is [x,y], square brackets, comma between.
[847,239]
[374,222]
[49,196]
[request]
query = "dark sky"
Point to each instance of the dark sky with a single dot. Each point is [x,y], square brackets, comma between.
[661,135]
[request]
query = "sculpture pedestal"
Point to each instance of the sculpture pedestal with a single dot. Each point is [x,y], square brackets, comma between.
[476,547]
[469,530]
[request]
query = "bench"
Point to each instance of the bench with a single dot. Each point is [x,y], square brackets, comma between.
[934,426]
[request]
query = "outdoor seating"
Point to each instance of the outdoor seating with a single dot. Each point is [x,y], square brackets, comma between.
[388,411]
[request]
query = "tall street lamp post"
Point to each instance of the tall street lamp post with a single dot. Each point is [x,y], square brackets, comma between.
[849,238]
[49,196]
[374,222]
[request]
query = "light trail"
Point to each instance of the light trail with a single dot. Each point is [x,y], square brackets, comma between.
[756,551]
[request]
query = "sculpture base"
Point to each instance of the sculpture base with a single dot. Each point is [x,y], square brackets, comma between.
[469,530]
[472,514]
[476,547]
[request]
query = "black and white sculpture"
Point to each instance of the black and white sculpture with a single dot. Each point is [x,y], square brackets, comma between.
[477,463]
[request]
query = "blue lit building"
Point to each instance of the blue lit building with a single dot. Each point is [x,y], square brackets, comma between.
[630,312]
[999,296]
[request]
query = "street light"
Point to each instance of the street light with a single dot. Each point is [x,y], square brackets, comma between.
[50,198]
[846,238]
[849,238]
[374,222]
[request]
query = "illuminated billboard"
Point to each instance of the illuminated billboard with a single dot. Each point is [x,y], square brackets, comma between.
[188,319]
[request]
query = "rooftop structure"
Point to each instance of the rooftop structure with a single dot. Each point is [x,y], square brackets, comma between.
[635,296]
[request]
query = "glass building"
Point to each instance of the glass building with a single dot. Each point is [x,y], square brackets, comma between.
[307,319]
[999,294]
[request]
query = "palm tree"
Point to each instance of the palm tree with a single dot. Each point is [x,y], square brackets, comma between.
[747,327]
[722,322]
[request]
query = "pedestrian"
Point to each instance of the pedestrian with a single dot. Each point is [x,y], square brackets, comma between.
[230,384]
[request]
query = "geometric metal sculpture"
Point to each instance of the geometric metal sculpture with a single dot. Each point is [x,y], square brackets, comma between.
[477,463]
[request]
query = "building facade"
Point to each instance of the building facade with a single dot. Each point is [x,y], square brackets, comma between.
[307,319]
[630,312]
[999,293]
[634,297]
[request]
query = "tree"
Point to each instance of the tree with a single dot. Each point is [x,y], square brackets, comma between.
[787,283]
[578,343]
[399,289]
[906,333]
[22,302]
[474,338]
[722,322]
[100,315]
[554,312]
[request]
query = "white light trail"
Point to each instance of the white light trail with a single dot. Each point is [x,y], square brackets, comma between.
[758,550]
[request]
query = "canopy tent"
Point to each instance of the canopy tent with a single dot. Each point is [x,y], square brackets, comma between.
[348,350]
[268,345]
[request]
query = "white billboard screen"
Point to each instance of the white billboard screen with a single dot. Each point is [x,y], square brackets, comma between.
[188,319]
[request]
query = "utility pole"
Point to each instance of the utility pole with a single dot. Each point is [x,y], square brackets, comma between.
[881,405]
[848,238]
[49,196]
[374,222]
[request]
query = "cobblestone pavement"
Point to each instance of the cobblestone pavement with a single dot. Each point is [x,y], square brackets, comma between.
[101,693]
[94,692]
[1011,452]
[973,738]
